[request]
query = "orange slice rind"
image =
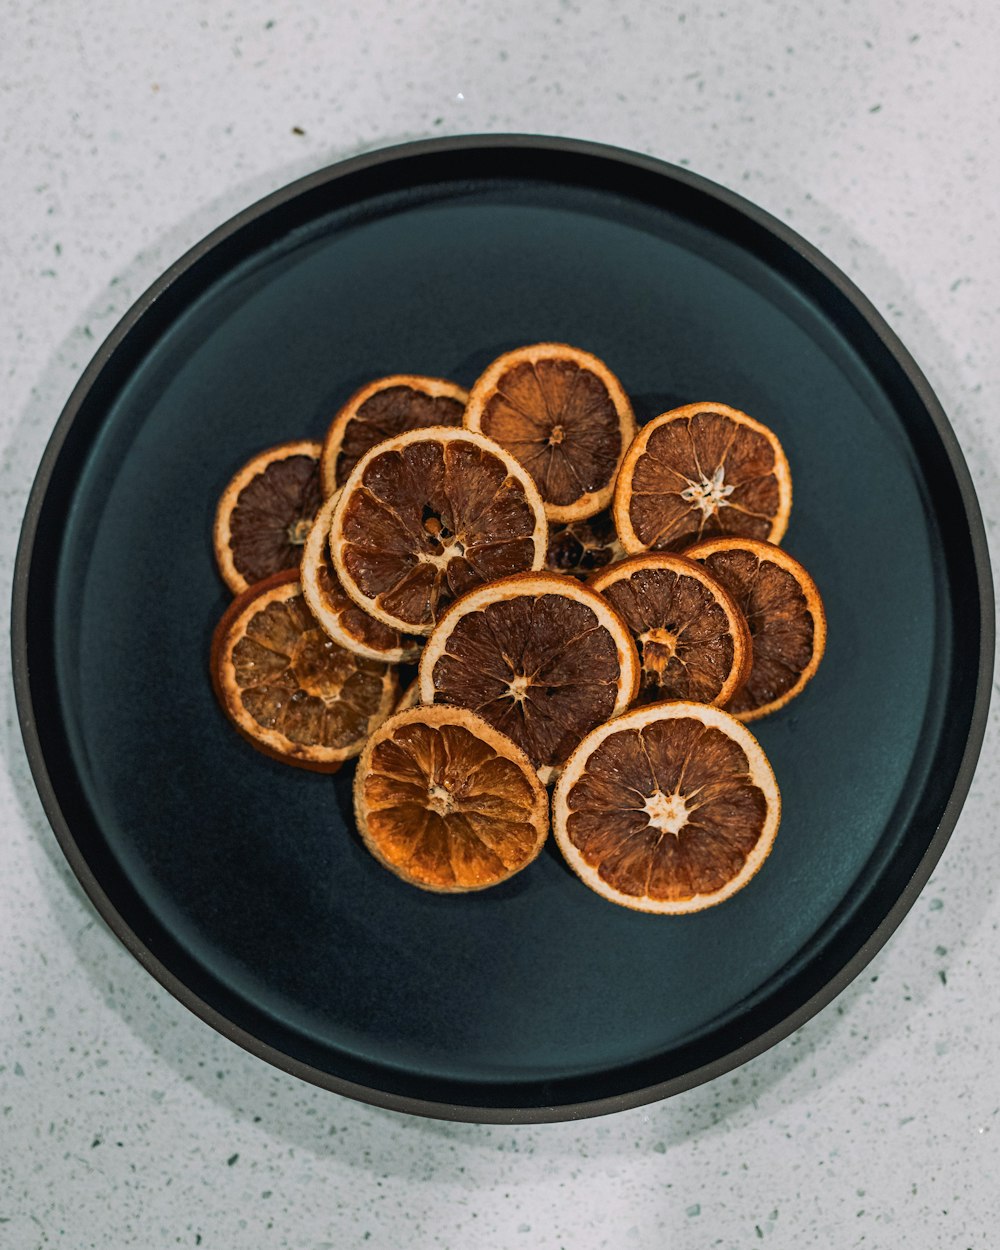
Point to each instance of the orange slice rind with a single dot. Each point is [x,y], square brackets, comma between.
[669,809]
[446,802]
[565,416]
[347,624]
[541,657]
[698,471]
[785,615]
[382,409]
[428,515]
[693,641]
[287,687]
[264,514]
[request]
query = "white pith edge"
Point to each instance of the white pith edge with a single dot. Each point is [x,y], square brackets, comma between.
[761,775]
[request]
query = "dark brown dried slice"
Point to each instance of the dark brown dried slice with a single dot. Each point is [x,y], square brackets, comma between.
[287,686]
[670,809]
[564,415]
[693,641]
[698,471]
[541,657]
[265,513]
[446,802]
[784,612]
[582,547]
[382,409]
[347,624]
[428,515]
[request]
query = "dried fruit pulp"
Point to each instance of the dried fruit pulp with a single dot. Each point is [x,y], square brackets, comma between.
[784,613]
[265,514]
[565,417]
[698,471]
[447,803]
[693,641]
[670,808]
[540,657]
[287,685]
[381,410]
[429,516]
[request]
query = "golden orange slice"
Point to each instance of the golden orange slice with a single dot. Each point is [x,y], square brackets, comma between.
[564,415]
[541,657]
[446,802]
[426,516]
[693,641]
[784,612]
[287,687]
[582,547]
[264,514]
[382,409]
[347,624]
[698,471]
[669,809]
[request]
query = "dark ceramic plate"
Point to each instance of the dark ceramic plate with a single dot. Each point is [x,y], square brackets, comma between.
[239,883]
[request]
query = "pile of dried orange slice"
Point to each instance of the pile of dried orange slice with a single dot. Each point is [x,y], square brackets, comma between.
[584,604]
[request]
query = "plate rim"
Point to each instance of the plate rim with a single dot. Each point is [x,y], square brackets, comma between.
[815,260]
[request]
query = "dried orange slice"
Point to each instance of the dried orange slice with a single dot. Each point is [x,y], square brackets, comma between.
[287,687]
[382,409]
[541,657]
[264,514]
[564,415]
[693,641]
[698,471]
[346,623]
[784,611]
[446,802]
[410,696]
[671,808]
[429,514]
[582,547]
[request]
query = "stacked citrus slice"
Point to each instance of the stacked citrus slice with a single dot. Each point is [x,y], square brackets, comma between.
[577,602]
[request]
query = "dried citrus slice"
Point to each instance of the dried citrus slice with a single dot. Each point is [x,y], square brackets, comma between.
[542,657]
[287,687]
[446,802]
[564,415]
[784,611]
[698,471]
[410,696]
[671,808]
[693,641]
[339,615]
[265,512]
[382,409]
[582,547]
[429,514]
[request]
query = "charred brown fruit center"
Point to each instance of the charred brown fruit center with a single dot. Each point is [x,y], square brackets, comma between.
[780,622]
[542,669]
[272,517]
[668,811]
[583,547]
[683,634]
[446,808]
[559,420]
[432,521]
[296,680]
[390,412]
[701,476]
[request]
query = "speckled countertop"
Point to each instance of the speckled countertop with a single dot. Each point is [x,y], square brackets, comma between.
[128,132]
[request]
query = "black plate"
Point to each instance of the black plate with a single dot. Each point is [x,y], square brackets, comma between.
[240,883]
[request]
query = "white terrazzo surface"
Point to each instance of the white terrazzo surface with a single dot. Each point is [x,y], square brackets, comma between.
[128,131]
